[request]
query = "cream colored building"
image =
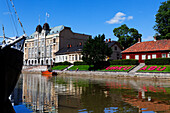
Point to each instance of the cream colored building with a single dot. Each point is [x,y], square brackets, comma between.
[40,46]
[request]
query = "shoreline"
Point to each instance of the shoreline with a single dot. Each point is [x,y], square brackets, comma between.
[101,74]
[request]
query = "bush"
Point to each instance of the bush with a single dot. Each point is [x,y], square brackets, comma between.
[158,61]
[79,63]
[124,62]
[62,63]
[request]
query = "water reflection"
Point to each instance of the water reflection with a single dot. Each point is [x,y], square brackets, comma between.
[85,95]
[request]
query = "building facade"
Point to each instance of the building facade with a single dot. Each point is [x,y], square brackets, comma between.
[69,54]
[116,49]
[73,53]
[40,46]
[148,50]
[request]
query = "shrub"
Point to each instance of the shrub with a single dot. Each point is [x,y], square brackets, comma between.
[158,61]
[79,63]
[62,63]
[124,62]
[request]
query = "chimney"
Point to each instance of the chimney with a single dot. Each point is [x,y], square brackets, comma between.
[109,39]
[154,38]
[106,40]
[139,40]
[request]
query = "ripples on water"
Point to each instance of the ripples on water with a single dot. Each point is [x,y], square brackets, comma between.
[36,93]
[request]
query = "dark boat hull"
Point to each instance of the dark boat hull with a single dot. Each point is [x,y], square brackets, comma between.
[11,62]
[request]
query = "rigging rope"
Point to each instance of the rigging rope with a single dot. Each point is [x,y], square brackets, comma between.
[12,17]
[17,16]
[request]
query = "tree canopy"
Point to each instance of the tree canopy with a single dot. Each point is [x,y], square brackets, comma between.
[127,36]
[95,50]
[163,20]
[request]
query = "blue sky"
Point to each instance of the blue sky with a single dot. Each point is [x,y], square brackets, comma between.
[83,16]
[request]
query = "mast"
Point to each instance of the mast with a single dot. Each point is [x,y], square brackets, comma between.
[3,42]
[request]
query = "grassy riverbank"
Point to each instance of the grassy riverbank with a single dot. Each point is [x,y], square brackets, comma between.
[59,67]
[155,68]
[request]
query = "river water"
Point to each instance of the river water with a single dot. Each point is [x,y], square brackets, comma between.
[61,94]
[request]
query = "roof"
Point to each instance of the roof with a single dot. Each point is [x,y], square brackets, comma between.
[110,44]
[68,50]
[158,45]
[53,30]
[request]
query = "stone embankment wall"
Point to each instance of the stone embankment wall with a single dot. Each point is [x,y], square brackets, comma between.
[34,68]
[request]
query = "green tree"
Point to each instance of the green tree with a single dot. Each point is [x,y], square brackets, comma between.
[163,20]
[127,36]
[95,50]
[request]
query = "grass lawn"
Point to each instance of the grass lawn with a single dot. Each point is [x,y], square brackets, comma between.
[59,67]
[155,70]
[111,69]
[80,67]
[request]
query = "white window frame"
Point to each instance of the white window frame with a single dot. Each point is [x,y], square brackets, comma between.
[149,56]
[169,55]
[163,55]
[153,56]
[127,56]
[137,57]
[143,57]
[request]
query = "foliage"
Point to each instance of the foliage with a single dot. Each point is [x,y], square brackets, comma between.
[59,67]
[124,62]
[127,36]
[80,67]
[158,61]
[147,68]
[95,50]
[62,63]
[163,21]
[80,63]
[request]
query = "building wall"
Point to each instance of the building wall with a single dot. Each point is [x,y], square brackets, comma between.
[116,52]
[157,53]
[72,57]
[53,43]
[73,39]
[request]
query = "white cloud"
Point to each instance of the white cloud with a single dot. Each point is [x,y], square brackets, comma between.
[129,17]
[119,18]
[149,38]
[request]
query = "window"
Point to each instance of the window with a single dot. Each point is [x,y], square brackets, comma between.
[137,57]
[127,57]
[154,56]
[66,58]
[163,55]
[143,57]
[149,56]
[117,56]
[115,47]
[25,45]
[54,40]
[169,55]
[75,57]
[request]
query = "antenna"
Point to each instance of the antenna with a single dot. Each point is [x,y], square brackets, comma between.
[17,16]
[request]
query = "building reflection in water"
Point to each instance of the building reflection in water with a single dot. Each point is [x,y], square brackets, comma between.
[39,93]
[73,94]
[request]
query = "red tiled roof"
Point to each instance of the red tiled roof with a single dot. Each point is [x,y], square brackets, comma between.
[158,45]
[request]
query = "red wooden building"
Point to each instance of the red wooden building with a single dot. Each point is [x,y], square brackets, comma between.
[148,50]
